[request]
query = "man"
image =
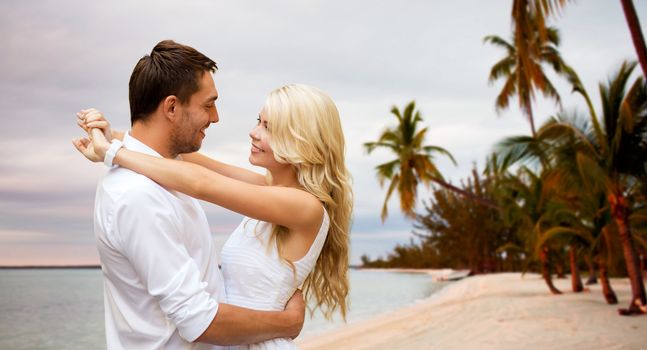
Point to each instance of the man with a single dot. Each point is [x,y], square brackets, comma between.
[162,285]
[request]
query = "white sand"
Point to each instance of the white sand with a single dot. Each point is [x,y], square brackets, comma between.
[499,311]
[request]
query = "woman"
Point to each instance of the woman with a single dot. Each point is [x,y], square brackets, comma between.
[297,216]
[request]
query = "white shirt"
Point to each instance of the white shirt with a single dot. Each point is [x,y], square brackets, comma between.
[161,279]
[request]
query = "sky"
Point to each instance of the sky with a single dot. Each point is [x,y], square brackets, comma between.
[61,56]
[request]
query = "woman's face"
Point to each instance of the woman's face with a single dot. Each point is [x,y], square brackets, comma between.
[261,152]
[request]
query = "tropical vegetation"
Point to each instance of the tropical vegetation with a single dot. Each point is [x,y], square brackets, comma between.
[571,196]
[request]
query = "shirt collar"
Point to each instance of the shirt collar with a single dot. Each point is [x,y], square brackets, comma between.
[134,144]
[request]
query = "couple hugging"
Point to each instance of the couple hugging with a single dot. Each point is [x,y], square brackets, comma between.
[163,288]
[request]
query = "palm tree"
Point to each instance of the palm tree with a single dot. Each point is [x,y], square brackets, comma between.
[555,222]
[528,17]
[585,218]
[413,163]
[526,199]
[578,241]
[530,14]
[594,240]
[615,159]
[625,120]
[523,73]
[537,193]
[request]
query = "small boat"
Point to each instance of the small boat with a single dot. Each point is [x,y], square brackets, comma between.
[453,275]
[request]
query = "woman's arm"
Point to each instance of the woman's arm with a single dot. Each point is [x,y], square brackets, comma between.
[93,118]
[225,169]
[119,135]
[273,204]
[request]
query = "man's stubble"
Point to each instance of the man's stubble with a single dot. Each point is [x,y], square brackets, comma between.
[184,138]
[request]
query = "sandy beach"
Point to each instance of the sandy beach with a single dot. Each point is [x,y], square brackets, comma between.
[499,311]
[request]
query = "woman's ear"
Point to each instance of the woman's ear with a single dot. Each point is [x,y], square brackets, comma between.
[170,106]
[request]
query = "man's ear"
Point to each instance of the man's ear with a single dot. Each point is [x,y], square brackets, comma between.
[169,107]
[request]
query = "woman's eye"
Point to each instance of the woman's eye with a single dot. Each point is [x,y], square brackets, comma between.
[258,120]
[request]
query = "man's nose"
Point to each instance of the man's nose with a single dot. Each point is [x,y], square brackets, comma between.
[214,118]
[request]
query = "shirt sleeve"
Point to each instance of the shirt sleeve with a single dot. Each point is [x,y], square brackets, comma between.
[151,238]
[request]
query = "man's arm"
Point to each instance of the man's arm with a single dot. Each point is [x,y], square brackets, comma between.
[235,325]
[153,243]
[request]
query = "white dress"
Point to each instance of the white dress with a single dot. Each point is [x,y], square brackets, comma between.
[256,277]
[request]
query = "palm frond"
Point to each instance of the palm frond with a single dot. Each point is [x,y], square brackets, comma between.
[386,170]
[419,138]
[503,68]
[549,91]
[441,150]
[517,149]
[564,232]
[371,146]
[500,42]
[395,182]
[593,176]
[509,89]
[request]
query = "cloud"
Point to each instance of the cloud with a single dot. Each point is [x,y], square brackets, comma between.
[61,56]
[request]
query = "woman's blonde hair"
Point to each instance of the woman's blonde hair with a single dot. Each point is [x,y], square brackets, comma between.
[306,132]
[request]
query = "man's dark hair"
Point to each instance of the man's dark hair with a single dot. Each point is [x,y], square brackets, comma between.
[170,69]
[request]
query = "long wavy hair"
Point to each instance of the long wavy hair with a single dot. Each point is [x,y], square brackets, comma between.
[306,132]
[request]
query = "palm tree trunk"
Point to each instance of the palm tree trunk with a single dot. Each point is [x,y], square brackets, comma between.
[620,212]
[576,281]
[531,119]
[593,279]
[607,291]
[545,271]
[636,33]
[559,269]
[521,18]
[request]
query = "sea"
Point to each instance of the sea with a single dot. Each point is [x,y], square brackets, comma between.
[63,308]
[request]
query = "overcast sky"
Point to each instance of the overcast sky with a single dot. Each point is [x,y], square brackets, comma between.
[60,56]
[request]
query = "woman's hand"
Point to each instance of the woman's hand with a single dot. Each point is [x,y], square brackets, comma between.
[93,118]
[94,146]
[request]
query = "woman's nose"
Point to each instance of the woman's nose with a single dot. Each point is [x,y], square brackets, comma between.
[254,133]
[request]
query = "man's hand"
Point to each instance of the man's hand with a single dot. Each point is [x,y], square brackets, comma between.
[86,147]
[235,325]
[296,307]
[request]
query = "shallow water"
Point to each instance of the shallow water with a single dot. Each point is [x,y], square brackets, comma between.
[63,308]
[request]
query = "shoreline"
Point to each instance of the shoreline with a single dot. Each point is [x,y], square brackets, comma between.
[496,311]
[438,275]
[403,270]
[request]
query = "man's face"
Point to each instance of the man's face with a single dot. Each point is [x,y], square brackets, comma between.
[195,117]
